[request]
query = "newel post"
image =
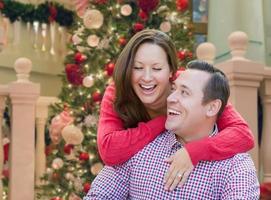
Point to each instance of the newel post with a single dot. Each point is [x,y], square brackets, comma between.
[244,77]
[23,95]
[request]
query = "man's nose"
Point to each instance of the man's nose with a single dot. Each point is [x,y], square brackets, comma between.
[172,98]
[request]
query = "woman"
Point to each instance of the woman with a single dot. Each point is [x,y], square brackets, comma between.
[133,110]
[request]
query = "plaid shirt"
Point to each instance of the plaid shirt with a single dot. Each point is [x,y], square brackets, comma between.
[142,177]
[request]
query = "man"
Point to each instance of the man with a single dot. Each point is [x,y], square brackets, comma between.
[199,96]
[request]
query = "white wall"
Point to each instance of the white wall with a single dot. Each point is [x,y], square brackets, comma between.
[226,16]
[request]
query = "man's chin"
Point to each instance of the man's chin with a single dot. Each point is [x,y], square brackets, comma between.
[170,126]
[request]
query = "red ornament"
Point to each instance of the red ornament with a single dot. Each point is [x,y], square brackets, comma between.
[178,72]
[265,190]
[100,1]
[182,5]
[68,148]
[6,148]
[48,150]
[96,96]
[181,55]
[56,198]
[55,176]
[53,13]
[122,41]
[74,74]
[2,5]
[79,57]
[138,27]
[110,68]
[5,173]
[148,5]
[143,15]
[88,106]
[189,54]
[86,187]
[84,156]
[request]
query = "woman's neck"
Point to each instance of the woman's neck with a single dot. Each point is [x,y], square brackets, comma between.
[158,111]
[160,106]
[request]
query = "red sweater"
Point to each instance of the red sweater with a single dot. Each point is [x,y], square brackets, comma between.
[117,145]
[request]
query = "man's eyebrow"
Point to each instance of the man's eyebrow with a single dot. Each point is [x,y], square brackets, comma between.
[185,86]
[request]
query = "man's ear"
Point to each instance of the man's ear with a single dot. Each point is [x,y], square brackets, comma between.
[213,107]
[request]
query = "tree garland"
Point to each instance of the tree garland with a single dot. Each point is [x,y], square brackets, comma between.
[44,13]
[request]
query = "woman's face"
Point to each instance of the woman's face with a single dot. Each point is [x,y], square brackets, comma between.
[150,75]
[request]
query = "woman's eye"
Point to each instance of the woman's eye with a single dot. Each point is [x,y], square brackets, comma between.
[138,68]
[157,69]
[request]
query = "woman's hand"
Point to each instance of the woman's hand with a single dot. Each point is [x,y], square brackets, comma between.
[179,170]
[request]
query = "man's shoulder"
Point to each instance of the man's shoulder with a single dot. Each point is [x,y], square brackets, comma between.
[239,162]
[243,161]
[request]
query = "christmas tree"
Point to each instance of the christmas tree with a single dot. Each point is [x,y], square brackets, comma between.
[98,36]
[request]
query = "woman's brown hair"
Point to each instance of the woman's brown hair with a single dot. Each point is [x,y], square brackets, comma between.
[127,104]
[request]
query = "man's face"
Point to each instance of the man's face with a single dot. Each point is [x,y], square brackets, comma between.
[185,111]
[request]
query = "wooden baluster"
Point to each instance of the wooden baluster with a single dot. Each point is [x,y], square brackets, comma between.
[41,118]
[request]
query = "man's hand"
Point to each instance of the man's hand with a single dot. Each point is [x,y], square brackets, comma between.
[179,170]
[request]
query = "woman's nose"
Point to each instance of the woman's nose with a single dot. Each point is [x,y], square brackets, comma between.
[147,75]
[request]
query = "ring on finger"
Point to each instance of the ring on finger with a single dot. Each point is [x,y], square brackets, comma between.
[180,175]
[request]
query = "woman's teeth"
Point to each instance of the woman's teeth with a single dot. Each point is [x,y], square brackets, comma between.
[147,87]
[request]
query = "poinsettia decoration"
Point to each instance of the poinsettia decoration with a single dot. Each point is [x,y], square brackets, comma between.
[265,189]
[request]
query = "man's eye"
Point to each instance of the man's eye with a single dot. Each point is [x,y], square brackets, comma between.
[184,93]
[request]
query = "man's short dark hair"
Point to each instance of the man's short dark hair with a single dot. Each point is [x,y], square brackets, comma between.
[217,87]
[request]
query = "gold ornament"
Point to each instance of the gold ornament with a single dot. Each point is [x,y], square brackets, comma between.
[57,163]
[93,19]
[96,168]
[74,197]
[126,10]
[104,44]
[165,26]
[90,120]
[72,135]
[93,40]
[88,81]
[76,39]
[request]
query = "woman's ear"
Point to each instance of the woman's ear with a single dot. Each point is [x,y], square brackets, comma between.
[213,107]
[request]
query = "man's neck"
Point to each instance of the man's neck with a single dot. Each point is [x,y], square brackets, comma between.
[202,133]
